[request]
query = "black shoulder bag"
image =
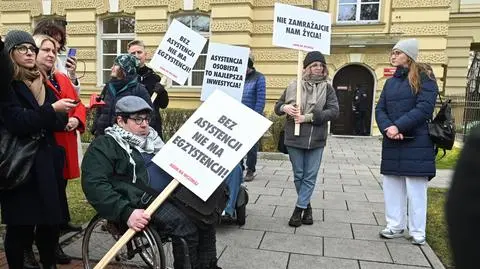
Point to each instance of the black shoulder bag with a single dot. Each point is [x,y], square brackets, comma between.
[17,156]
[442,128]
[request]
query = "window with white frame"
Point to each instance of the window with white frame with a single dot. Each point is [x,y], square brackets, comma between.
[200,24]
[358,11]
[115,33]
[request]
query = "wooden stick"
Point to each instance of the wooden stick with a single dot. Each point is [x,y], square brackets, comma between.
[131,232]
[154,95]
[299,88]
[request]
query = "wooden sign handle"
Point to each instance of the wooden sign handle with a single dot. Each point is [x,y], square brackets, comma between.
[154,96]
[299,88]
[131,232]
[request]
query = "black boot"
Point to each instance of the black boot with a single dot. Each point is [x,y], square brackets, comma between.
[61,257]
[296,219]
[307,215]
[29,261]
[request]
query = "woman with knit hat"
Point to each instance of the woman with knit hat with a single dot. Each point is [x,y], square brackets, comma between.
[408,158]
[123,82]
[28,109]
[318,105]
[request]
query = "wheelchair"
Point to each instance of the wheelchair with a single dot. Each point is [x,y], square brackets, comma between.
[147,249]
[240,214]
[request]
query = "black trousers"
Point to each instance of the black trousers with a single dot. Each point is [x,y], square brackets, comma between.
[200,240]
[18,238]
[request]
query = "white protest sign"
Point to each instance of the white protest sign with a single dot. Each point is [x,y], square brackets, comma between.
[301,28]
[177,53]
[225,70]
[211,143]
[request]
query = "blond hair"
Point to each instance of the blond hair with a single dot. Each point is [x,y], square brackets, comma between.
[307,70]
[414,74]
[40,39]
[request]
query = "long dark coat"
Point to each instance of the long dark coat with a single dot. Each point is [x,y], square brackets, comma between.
[399,106]
[40,200]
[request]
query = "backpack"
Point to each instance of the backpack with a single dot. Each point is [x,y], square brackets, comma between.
[442,128]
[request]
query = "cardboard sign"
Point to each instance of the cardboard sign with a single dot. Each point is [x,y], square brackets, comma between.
[177,53]
[211,143]
[225,70]
[389,71]
[301,28]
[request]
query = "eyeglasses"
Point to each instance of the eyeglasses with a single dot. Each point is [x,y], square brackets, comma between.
[24,49]
[396,53]
[139,120]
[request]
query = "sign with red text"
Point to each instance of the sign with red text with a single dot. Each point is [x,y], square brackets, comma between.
[225,70]
[178,52]
[301,28]
[211,143]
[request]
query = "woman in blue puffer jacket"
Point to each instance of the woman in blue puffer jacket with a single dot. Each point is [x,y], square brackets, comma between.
[408,159]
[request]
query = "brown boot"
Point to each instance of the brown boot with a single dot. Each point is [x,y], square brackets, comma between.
[307,215]
[296,219]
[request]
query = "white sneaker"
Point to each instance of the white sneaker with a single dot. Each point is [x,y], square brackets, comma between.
[420,241]
[387,233]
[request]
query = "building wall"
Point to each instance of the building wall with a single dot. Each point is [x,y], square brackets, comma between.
[249,23]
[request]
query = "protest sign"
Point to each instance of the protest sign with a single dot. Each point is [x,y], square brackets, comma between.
[177,53]
[225,70]
[211,143]
[301,28]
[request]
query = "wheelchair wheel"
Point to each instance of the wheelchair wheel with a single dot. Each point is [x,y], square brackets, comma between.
[101,235]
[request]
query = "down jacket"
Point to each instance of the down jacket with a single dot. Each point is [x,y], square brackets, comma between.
[399,106]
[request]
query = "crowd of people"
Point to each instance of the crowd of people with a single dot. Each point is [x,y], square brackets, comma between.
[40,96]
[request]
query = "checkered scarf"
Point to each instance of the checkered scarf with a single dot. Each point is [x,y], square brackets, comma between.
[150,144]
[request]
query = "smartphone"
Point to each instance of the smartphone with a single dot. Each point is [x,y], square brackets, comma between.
[75,102]
[72,52]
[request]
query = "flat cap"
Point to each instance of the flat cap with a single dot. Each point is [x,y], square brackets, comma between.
[131,104]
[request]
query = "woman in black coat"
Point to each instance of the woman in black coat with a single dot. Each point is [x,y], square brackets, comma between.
[28,109]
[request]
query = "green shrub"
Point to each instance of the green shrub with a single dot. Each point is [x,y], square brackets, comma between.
[174,118]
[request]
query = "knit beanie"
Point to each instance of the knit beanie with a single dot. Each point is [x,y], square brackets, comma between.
[16,37]
[409,47]
[128,63]
[313,56]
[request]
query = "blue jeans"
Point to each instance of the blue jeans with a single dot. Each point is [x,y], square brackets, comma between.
[234,179]
[251,158]
[305,164]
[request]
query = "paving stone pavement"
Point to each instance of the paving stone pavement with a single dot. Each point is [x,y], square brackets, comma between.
[348,210]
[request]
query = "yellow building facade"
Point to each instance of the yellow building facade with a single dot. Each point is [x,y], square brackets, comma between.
[363,34]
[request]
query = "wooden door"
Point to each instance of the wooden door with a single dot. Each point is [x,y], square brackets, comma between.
[344,83]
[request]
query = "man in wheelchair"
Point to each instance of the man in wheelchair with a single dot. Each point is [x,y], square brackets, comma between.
[114,167]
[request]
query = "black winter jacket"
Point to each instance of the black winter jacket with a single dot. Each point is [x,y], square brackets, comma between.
[104,116]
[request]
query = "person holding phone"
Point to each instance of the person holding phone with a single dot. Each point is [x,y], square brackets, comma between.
[67,64]
[406,103]
[28,109]
[60,85]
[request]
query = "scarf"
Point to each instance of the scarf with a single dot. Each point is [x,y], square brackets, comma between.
[314,93]
[37,87]
[151,144]
[116,86]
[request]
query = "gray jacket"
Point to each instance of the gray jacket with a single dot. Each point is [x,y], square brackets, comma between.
[312,134]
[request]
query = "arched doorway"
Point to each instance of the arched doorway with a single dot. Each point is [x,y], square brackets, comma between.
[344,82]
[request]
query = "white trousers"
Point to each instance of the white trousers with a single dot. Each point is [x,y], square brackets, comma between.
[401,193]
